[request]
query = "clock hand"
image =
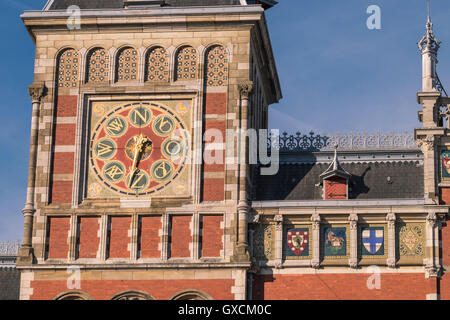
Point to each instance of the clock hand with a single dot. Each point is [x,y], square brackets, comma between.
[139,144]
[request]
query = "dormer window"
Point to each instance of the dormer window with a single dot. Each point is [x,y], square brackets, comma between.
[335,181]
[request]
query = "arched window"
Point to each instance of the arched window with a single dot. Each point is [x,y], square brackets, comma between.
[73,295]
[132,295]
[157,65]
[191,295]
[97,65]
[68,69]
[216,69]
[127,65]
[186,64]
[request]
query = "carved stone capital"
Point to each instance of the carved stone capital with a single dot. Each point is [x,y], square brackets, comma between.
[279,220]
[36,92]
[391,263]
[353,218]
[391,218]
[315,219]
[254,218]
[353,263]
[245,88]
[433,271]
[433,219]
[278,264]
[427,143]
[315,263]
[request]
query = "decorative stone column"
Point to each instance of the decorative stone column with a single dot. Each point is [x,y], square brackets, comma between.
[391,260]
[315,262]
[353,261]
[243,208]
[432,266]
[25,255]
[279,241]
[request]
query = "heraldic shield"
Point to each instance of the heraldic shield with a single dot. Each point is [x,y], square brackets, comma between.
[298,242]
[373,241]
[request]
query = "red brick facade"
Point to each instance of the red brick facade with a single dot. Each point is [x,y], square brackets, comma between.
[335,188]
[118,236]
[88,237]
[180,236]
[341,286]
[211,236]
[149,237]
[57,237]
[219,289]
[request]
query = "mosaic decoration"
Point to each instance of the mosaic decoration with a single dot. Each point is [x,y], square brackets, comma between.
[297,242]
[325,142]
[98,66]
[138,149]
[216,72]
[335,241]
[127,65]
[157,65]
[264,242]
[372,241]
[68,66]
[411,240]
[186,64]
[445,164]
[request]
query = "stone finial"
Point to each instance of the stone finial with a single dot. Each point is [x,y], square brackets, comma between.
[429,42]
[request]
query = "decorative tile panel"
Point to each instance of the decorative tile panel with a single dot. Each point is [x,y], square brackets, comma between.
[68,69]
[264,242]
[98,65]
[335,242]
[411,240]
[216,70]
[127,65]
[373,241]
[157,67]
[187,64]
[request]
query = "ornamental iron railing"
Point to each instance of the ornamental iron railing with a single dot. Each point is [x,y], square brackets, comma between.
[346,142]
[8,248]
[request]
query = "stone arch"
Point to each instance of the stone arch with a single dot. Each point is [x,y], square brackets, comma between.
[132,295]
[73,295]
[186,63]
[97,65]
[157,64]
[191,294]
[127,64]
[216,66]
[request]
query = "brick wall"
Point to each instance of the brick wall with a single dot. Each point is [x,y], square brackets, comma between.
[215,107]
[219,289]
[180,236]
[149,238]
[118,235]
[58,237]
[445,195]
[64,149]
[88,238]
[407,286]
[211,236]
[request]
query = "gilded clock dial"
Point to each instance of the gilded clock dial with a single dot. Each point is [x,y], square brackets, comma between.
[138,149]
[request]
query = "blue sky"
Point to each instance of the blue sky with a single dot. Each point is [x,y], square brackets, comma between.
[336,75]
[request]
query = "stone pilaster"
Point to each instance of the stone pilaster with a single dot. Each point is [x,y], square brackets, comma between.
[391,221]
[279,241]
[25,255]
[432,265]
[315,262]
[353,261]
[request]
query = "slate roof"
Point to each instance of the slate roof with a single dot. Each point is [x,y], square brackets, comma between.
[9,284]
[368,181]
[118,4]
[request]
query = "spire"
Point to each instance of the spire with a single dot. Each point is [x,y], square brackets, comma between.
[335,168]
[429,42]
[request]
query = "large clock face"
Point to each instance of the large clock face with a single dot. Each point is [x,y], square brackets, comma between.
[138,149]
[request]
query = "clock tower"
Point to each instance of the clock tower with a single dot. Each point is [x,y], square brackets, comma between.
[131,100]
